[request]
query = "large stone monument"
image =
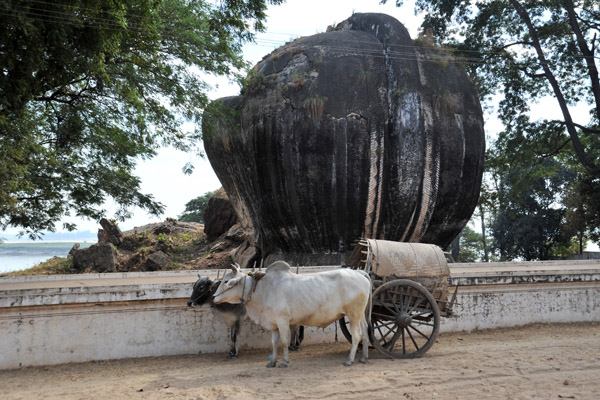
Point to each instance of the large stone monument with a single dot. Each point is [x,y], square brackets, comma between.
[356,132]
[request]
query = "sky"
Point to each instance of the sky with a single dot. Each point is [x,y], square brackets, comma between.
[162,175]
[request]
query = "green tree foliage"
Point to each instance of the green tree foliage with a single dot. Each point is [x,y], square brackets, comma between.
[529,221]
[577,218]
[471,246]
[194,209]
[520,51]
[582,201]
[528,49]
[88,88]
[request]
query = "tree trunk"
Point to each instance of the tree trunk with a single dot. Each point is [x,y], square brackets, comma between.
[590,166]
[486,256]
[588,55]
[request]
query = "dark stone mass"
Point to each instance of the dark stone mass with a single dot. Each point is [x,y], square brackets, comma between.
[356,132]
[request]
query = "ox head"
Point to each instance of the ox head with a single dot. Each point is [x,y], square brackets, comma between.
[202,291]
[231,289]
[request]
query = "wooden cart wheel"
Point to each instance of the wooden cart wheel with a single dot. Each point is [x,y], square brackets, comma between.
[344,328]
[405,319]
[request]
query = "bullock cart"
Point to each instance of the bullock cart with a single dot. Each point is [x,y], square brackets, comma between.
[410,294]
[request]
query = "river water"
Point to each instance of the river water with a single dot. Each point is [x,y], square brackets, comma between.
[16,256]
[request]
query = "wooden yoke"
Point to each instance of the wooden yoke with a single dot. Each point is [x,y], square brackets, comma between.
[256,276]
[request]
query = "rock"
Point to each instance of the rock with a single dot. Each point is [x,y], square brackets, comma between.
[169,226]
[158,261]
[335,138]
[133,242]
[219,246]
[110,233]
[165,228]
[103,236]
[235,233]
[246,255]
[219,216]
[100,257]
[215,261]
[135,262]
[147,248]
[75,248]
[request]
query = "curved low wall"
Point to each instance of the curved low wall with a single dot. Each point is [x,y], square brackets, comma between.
[76,318]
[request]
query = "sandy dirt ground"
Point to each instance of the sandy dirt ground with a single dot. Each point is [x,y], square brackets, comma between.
[533,362]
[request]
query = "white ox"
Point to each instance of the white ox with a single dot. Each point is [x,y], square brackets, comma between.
[279,298]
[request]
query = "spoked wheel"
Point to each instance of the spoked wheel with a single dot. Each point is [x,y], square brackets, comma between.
[345,328]
[405,319]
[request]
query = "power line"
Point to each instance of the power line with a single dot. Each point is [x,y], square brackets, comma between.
[392,45]
[47,3]
[375,53]
[71,19]
[270,43]
[78,21]
[66,18]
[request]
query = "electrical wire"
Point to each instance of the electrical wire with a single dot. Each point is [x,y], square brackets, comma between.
[68,18]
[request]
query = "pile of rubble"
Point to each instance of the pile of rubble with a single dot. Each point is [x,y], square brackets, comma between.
[170,245]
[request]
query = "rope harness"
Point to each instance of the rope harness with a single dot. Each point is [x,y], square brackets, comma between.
[256,276]
[204,293]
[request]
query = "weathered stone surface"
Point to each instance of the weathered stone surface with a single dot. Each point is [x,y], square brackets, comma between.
[158,261]
[110,233]
[347,134]
[74,249]
[150,248]
[219,216]
[246,255]
[219,245]
[100,257]
[169,226]
[236,233]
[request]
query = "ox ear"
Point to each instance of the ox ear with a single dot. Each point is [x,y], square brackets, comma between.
[232,282]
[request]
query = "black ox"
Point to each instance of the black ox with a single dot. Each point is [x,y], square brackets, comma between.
[231,315]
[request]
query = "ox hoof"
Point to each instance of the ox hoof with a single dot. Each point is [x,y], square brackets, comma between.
[282,365]
[271,364]
[294,348]
[232,356]
[362,360]
[348,363]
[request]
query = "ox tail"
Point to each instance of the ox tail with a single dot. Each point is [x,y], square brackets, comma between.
[370,302]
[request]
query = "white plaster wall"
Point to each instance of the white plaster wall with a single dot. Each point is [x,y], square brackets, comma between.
[65,325]
[515,305]
[79,333]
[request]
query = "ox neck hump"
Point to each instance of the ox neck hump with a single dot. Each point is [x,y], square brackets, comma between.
[278,266]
